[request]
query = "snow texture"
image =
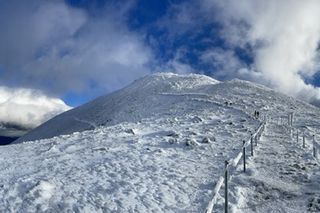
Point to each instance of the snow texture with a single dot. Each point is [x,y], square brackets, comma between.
[159,145]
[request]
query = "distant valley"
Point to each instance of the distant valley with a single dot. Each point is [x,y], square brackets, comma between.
[6,140]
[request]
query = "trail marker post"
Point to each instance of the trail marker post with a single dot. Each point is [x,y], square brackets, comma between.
[244,156]
[314,146]
[251,141]
[226,187]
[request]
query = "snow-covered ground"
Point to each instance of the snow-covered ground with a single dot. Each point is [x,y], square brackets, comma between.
[282,176]
[159,145]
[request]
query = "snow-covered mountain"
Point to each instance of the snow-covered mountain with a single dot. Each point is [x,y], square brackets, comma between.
[159,145]
[164,94]
[144,98]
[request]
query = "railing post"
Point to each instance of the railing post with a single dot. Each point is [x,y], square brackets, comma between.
[244,156]
[314,146]
[251,141]
[226,187]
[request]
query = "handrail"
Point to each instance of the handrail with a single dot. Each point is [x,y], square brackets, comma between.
[232,163]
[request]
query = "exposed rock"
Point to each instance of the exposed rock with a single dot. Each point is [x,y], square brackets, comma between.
[206,140]
[130,131]
[196,119]
[191,142]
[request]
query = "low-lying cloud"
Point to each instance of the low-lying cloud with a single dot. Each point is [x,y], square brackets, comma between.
[27,108]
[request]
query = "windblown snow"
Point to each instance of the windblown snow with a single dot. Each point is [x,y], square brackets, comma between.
[159,145]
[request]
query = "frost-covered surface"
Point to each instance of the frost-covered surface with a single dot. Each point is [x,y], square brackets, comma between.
[112,169]
[158,145]
[142,99]
[281,177]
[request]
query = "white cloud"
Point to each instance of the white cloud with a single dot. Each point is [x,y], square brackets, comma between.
[176,64]
[225,62]
[27,108]
[284,34]
[54,47]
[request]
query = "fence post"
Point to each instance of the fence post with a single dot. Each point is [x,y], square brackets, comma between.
[314,146]
[244,156]
[251,141]
[303,140]
[226,187]
[297,136]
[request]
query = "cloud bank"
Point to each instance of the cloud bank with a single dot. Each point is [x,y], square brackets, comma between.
[27,108]
[58,48]
[284,36]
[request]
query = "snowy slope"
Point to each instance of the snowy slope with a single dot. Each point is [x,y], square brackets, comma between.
[139,100]
[158,145]
[283,176]
[162,94]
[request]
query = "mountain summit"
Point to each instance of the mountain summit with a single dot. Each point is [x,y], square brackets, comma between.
[163,94]
[143,98]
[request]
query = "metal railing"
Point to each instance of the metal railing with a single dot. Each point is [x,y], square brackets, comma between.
[231,165]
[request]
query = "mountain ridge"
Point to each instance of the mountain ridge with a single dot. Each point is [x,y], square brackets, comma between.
[145,97]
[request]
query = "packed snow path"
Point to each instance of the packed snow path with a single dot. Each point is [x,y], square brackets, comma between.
[282,176]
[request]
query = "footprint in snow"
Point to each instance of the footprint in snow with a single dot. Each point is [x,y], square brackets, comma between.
[100,149]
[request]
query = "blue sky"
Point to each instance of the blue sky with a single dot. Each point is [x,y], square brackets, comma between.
[77,50]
